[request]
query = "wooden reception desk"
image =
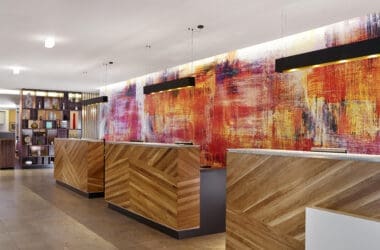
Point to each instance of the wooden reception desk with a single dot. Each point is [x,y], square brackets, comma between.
[268,190]
[79,165]
[7,153]
[159,182]
[160,185]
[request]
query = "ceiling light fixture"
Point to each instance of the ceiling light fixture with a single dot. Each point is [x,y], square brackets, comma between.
[169,85]
[16,70]
[49,42]
[99,99]
[192,30]
[339,54]
[95,100]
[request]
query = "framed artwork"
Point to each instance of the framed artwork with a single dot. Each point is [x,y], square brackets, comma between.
[2,117]
[25,114]
[12,126]
[49,124]
[63,124]
[28,101]
[48,103]
[55,103]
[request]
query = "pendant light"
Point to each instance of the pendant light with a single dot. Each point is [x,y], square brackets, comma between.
[178,83]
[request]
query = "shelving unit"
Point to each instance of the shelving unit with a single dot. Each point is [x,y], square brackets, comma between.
[45,115]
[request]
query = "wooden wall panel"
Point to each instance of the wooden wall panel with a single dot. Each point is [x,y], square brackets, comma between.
[7,153]
[159,183]
[267,196]
[80,164]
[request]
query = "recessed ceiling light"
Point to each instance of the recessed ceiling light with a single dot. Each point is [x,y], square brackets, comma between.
[49,42]
[16,70]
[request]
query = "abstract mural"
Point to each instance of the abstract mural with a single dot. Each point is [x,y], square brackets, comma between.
[239,101]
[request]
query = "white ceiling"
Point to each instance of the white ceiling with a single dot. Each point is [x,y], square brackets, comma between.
[92,32]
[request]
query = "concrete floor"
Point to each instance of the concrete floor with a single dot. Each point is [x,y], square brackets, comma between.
[35,213]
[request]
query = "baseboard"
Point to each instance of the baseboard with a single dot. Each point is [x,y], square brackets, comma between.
[80,192]
[181,234]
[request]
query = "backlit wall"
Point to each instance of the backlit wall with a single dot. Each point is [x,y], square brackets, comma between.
[239,101]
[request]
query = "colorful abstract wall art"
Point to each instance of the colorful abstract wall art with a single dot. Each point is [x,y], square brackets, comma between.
[240,102]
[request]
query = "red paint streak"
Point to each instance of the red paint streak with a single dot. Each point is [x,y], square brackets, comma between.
[74,121]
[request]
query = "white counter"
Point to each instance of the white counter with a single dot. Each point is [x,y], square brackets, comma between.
[308,154]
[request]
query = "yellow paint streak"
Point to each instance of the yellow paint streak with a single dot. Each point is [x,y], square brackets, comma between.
[362,119]
[284,126]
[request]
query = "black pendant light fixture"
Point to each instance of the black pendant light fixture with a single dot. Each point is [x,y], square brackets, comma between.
[178,83]
[99,99]
[170,85]
[358,50]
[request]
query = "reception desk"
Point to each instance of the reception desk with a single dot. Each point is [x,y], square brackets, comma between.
[79,165]
[160,185]
[7,153]
[268,190]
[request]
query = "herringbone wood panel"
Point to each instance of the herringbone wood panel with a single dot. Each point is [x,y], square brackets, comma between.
[80,164]
[267,196]
[159,183]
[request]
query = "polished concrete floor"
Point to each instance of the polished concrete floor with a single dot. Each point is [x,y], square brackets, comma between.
[35,213]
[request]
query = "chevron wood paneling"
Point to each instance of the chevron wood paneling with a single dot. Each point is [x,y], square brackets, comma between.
[7,153]
[80,164]
[267,196]
[161,183]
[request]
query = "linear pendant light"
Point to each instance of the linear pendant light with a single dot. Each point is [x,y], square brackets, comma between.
[170,85]
[99,99]
[95,100]
[329,55]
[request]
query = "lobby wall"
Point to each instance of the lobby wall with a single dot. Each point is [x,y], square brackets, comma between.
[4,120]
[239,100]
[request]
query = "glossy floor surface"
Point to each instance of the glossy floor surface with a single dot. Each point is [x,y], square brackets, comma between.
[36,213]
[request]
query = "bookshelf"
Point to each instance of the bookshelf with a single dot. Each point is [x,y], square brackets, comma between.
[45,115]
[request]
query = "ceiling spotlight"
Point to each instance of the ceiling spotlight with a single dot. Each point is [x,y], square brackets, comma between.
[199,27]
[49,42]
[16,70]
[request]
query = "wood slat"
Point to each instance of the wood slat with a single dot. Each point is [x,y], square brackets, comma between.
[267,196]
[80,164]
[159,183]
[116,175]
[7,153]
